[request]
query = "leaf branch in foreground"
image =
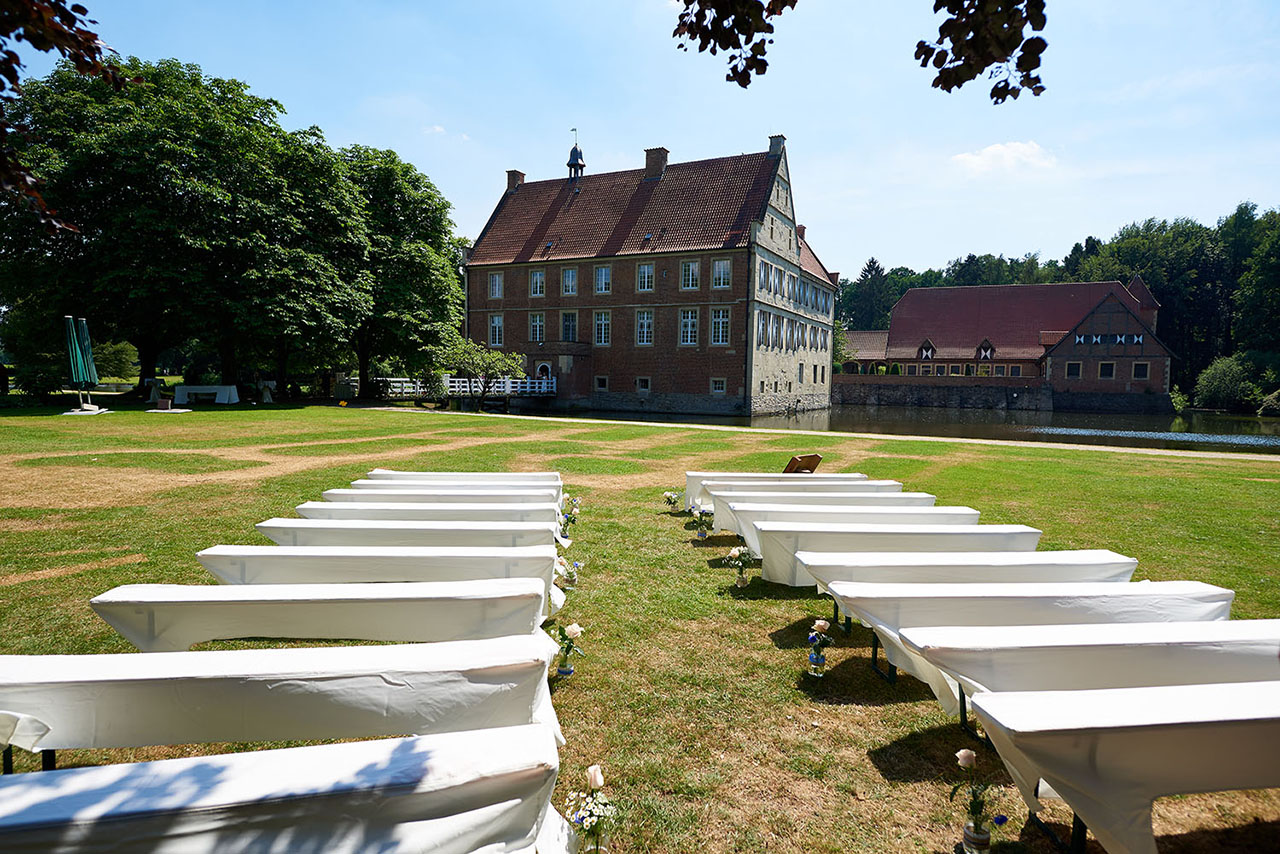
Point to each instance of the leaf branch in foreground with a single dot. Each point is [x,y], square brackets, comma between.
[46,25]
[739,27]
[987,36]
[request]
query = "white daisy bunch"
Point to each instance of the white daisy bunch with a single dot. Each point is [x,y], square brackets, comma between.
[673,498]
[590,811]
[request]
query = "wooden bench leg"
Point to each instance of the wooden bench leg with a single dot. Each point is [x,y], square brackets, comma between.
[1079,834]
[890,675]
[48,760]
[8,759]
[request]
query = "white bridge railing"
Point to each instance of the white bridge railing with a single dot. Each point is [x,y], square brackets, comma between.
[503,387]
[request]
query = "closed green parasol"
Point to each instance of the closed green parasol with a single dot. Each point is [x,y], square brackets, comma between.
[84,374]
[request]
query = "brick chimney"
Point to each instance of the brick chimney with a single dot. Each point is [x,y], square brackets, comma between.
[514,179]
[776,143]
[655,162]
[800,231]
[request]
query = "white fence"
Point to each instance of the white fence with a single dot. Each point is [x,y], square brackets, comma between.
[503,387]
[403,388]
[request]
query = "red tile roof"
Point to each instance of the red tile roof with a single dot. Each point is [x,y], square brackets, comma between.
[810,264]
[1020,321]
[867,344]
[696,206]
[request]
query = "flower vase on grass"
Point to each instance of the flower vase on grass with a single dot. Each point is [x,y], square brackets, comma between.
[570,517]
[673,499]
[567,573]
[568,646]
[703,521]
[591,813]
[819,640]
[738,559]
[977,838]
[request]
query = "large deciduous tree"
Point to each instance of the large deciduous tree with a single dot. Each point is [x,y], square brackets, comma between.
[992,37]
[412,265]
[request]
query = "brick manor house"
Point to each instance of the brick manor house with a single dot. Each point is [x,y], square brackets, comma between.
[679,287]
[1094,338]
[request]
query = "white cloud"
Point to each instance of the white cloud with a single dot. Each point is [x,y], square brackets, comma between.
[435,129]
[1004,158]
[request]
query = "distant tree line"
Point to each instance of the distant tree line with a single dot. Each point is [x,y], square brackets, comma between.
[1218,287]
[213,240]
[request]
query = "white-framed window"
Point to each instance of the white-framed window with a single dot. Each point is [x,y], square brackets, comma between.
[644,327]
[762,277]
[569,281]
[644,277]
[495,286]
[604,279]
[602,383]
[721,273]
[602,323]
[762,329]
[537,327]
[1142,370]
[688,327]
[688,275]
[568,326]
[719,385]
[792,293]
[495,330]
[776,285]
[537,283]
[643,385]
[719,327]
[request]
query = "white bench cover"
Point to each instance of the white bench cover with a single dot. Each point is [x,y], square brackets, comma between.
[694,481]
[221,393]
[889,608]
[21,730]
[362,532]
[456,793]
[341,564]
[827,497]
[133,700]
[422,512]
[1120,655]
[397,484]
[448,495]
[740,517]
[780,541]
[171,617]
[473,476]
[967,567]
[1111,752]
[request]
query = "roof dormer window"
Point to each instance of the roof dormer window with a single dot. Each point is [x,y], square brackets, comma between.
[986,352]
[926,351]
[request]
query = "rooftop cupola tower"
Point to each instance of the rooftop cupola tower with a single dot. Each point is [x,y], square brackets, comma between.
[576,161]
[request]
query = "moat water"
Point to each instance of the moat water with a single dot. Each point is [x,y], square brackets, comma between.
[1197,431]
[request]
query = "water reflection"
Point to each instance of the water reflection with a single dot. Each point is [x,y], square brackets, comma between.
[1194,431]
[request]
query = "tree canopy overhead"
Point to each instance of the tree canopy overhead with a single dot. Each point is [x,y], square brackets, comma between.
[992,37]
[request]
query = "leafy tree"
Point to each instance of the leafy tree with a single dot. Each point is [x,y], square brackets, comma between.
[978,37]
[1226,384]
[1257,301]
[473,360]
[199,217]
[412,265]
[839,348]
[45,25]
[114,359]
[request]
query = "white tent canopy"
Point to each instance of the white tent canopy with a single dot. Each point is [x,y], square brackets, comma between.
[1111,752]
[740,517]
[434,494]
[172,617]
[780,541]
[448,794]
[967,567]
[362,532]
[695,481]
[132,700]
[889,608]
[424,512]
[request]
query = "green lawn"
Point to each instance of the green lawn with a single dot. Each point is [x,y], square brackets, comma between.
[691,694]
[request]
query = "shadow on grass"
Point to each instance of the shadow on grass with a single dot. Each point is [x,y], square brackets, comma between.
[1255,836]
[926,755]
[852,682]
[760,589]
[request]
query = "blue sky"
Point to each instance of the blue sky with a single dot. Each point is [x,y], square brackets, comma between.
[1159,108]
